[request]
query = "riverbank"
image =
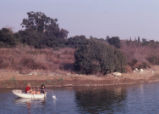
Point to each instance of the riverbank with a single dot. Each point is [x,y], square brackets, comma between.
[12,79]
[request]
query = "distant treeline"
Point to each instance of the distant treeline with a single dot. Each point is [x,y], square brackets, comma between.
[93,55]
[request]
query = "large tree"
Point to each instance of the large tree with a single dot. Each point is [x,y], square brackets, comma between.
[40,31]
[39,22]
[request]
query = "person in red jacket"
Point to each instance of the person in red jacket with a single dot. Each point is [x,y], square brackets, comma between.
[28,88]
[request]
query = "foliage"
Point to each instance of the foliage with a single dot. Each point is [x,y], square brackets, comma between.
[41,31]
[77,41]
[115,41]
[97,56]
[31,38]
[91,56]
[38,21]
[144,42]
[7,38]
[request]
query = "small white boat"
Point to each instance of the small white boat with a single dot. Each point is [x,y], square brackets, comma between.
[23,100]
[21,94]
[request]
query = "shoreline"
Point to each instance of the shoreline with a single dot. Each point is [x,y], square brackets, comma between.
[14,79]
[36,83]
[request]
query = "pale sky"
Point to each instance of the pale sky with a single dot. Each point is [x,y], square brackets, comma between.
[99,18]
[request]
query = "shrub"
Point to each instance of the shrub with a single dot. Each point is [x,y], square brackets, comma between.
[7,38]
[115,41]
[76,41]
[97,56]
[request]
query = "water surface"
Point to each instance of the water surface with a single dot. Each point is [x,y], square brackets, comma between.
[140,99]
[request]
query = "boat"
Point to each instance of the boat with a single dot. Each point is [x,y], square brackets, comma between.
[22,94]
[19,100]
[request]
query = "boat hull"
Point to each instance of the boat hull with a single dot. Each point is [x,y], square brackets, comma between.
[21,94]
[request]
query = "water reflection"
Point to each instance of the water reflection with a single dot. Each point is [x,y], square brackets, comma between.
[30,103]
[99,100]
[24,101]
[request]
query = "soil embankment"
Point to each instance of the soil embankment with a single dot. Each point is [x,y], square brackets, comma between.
[12,79]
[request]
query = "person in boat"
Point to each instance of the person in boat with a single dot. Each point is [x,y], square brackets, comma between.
[31,91]
[42,88]
[28,88]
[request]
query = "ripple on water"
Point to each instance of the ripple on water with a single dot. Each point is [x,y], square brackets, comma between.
[140,99]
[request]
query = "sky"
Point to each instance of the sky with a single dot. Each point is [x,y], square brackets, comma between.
[98,18]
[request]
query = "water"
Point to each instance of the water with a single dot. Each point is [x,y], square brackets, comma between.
[140,99]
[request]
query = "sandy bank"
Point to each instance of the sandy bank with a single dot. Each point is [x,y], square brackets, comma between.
[12,79]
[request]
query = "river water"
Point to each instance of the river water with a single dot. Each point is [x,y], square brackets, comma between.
[137,99]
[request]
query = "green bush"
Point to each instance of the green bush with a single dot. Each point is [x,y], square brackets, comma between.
[115,41]
[97,57]
[77,41]
[7,38]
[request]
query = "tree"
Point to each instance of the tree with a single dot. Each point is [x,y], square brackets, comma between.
[39,22]
[7,38]
[115,41]
[138,40]
[144,41]
[42,31]
[77,41]
[31,38]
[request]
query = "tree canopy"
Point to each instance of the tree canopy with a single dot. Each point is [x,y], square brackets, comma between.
[39,22]
[115,41]
[77,41]
[7,38]
[40,30]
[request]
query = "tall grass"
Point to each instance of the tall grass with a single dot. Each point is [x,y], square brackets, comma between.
[27,58]
[139,53]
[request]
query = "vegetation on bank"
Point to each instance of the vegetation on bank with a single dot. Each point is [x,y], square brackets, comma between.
[26,59]
[97,57]
[92,55]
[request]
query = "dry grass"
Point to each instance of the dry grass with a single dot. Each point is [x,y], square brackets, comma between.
[138,52]
[27,59]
